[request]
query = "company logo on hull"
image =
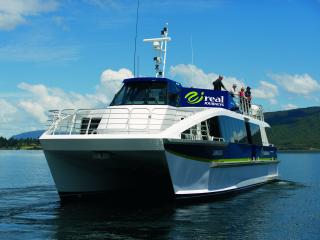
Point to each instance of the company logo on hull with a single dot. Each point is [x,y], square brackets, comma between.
[194,98]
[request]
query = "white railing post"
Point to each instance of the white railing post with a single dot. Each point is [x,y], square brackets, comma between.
[56,122]
[73,122]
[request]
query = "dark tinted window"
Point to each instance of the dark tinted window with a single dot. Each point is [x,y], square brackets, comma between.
[269,134]
[214,129]
[255,134]
[149,93]
[233,130]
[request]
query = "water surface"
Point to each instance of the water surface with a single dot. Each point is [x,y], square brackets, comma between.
[30,208]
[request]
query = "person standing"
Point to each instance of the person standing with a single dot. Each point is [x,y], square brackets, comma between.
[248,96]
[242,100]
[233,92]
[217,84]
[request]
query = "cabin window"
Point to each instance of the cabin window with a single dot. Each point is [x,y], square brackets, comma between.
[89,125]
[232,129]
[219,128]
[191,133]
[173,94]
[196,132]
[146,93]
[255,134]
[269,134]
[213,125]
[117,100]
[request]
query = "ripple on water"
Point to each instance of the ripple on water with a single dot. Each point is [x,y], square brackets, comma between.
[280,210]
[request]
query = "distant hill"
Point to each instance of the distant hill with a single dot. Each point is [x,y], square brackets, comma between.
[297,129]
[31,135]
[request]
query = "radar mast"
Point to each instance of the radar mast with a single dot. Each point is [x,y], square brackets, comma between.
[160,46]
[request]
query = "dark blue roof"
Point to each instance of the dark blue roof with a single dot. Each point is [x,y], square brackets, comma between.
[149,79]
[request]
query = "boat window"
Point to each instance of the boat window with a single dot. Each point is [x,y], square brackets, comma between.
[190,133]
[173,94]
[232,129]
[146,93]
[255,134]
[213,125]
[117,100]
[269,134]
[88,125]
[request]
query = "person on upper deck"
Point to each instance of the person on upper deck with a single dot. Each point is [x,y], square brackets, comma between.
[242,100]
[248,95]
[241,95]
[233,92]
[217,84]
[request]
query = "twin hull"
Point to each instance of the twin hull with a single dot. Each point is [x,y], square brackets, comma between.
[148,166]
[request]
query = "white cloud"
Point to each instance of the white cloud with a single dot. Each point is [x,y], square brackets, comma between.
[35,109]
[298,84]
[110,75]
[9,119]
[196,77]
[289,106]
[265,90]
[7,110]
[14,12]
[44,98]
[110,83]
[273,101]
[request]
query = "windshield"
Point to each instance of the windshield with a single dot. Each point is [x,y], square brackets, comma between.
[143,93]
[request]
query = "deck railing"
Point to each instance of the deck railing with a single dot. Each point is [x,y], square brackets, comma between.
[113,120]
[247,108]
[129,120]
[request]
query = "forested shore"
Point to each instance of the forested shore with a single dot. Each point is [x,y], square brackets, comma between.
[26,144]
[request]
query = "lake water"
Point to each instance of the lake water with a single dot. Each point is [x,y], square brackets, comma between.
[288,209]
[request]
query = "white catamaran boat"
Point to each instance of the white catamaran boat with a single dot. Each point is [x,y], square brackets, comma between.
[160,137]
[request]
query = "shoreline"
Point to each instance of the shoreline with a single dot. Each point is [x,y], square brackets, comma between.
[279,151]
[299,151]
[17,149]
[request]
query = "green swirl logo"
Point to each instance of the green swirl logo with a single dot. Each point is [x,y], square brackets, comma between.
[193,97]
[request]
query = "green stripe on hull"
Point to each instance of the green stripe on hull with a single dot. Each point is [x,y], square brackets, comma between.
[224,160]
[231,160]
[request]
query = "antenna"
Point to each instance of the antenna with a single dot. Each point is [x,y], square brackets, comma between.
[160,45]
[192,58]
[135,41]
[138,66]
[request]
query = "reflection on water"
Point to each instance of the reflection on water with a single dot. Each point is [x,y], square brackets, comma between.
[280,210]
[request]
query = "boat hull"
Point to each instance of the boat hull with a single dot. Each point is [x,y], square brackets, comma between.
[86,167]
[191,177]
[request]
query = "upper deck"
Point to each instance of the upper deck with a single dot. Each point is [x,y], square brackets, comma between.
[163,91]
[147,105]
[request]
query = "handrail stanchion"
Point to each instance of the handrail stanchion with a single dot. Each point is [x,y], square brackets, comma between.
[56,122]
[73,122]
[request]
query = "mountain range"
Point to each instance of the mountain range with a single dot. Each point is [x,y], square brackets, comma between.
[296,129]
[32,135]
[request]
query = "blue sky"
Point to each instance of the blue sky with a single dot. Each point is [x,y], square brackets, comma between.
[74,53]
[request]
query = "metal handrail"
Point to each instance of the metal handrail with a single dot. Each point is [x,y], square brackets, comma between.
[70,121]
[129,120]
[246,107]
